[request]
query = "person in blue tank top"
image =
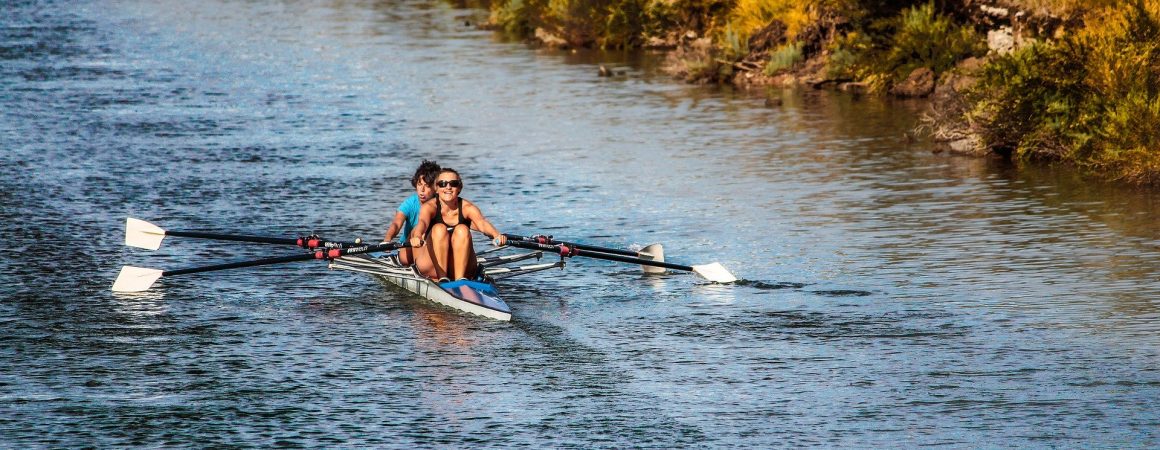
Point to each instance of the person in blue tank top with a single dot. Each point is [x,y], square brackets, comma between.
[407,214]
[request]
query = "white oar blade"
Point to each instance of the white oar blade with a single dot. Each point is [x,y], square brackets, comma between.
[135,279]
[139,233]
[654,252]
[715,272]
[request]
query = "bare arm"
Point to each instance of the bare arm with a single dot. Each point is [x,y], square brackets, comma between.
[480,224]
[396,226]
[426,213]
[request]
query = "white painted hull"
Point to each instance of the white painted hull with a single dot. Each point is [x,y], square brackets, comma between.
[469,296]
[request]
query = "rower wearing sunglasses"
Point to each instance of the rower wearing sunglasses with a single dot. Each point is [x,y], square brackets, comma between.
[441,239]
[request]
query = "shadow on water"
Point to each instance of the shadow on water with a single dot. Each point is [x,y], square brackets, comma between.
[784,285]
[779,325]
[842,293]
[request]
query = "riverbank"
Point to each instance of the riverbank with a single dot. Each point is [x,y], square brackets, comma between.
[1006,308]
[1065,81]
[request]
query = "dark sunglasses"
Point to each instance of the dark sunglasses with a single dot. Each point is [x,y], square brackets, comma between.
[452,183]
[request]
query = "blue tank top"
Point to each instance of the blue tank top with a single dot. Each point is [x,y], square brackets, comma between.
[410,208]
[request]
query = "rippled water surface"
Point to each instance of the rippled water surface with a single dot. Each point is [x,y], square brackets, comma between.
[892,296]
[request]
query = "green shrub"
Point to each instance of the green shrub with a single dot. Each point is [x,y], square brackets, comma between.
[1093,98]
[1029,101]
[889,41]
[607,23]
[733,45]
[923,38]
[623,24]
[514,16]
[847,54]
[784,58]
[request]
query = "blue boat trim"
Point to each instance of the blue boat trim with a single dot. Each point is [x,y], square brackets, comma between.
[477,285]
[476,292]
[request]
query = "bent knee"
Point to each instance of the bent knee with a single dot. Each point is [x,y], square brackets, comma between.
[461,234]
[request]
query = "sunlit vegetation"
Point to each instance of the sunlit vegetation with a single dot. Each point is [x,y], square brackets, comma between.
[884,51]
[783,58]
[749,16]
[1062,8]
[607,23]
[1092,97]
[924,38]
[1082,86]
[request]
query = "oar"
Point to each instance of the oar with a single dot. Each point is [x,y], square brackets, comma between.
[137,279]
[713,271]
[654,252]
[540,239]
[139,233]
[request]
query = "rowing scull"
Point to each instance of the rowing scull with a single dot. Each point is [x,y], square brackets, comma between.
[480,297]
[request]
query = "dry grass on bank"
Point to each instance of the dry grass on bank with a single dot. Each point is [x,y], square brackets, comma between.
[1091,98]
[1087,93]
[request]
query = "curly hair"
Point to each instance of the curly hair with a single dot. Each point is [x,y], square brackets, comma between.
[427,172]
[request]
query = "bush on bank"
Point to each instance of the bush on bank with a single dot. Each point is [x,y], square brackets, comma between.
[1079,83]
[606,23]
[883,51]
[1092,97]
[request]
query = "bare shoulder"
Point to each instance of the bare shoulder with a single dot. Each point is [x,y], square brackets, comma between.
[469,209]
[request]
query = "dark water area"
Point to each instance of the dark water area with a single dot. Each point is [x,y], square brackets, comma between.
[891,296]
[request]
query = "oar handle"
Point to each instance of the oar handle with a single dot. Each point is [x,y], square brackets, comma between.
[308,242]
[568,251]
[316,254]
[538,239]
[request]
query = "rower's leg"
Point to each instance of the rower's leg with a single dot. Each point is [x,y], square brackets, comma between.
[406,256]
[463,255]
[421,257]
[440,243]
[472,268]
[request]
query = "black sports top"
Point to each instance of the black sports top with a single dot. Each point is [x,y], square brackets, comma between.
[439,215]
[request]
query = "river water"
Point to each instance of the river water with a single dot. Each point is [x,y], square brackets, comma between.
[891,296]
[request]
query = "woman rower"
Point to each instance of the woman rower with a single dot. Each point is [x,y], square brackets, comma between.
[442,236]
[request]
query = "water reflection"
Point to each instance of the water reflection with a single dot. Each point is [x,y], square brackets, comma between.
[657,283]
[449,349]
[716,294]
[438,329]
[888,288]
[140,304]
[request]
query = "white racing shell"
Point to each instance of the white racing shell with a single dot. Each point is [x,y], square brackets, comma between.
[474,297]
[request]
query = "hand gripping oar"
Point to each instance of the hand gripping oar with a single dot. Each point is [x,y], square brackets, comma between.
[139,233]
[653,252]
[137,279]
[714,272]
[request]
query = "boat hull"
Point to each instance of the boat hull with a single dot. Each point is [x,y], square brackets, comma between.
[473,297]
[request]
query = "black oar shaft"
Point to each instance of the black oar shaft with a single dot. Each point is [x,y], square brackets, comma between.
[233,237]
[318,254]
[237,265]
[546,240]
[307,242]
[565,250]
[612,251]
[643,262]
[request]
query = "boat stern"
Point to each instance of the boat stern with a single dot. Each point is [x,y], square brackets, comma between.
[481,294]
